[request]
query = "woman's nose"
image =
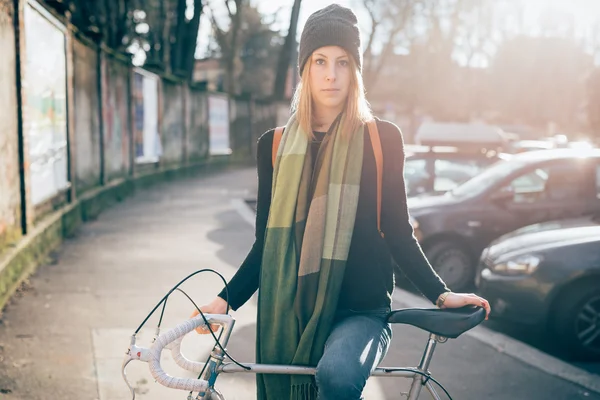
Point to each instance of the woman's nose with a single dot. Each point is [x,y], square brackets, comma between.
[331,74]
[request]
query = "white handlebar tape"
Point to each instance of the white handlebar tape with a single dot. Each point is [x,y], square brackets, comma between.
[181,360]
[194,385]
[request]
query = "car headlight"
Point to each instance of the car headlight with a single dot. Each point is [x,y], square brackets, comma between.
[522,265]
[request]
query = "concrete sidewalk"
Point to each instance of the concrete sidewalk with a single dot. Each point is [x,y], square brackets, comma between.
[64,335]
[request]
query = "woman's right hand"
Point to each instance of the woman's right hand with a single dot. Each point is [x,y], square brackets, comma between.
[217,306]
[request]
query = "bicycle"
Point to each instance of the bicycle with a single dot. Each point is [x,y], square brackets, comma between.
[442,324]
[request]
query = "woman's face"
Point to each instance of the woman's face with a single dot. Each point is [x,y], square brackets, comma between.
[330,71]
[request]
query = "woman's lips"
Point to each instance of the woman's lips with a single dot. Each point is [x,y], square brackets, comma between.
[330,92]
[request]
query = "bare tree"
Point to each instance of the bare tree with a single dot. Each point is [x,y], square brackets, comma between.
[252,57]
[161,27]
[375,23]
[260,42]
[184,38]
[159,17]
[228,40]
[285,56]
[389,19]
[109,21]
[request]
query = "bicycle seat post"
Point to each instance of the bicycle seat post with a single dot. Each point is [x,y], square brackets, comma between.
[419,380]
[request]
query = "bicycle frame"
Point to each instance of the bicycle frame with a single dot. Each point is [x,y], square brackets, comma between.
[205,385]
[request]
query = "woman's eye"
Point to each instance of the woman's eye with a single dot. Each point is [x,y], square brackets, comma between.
[320,61]
[344,63]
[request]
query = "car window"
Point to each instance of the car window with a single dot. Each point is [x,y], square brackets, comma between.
[414,167]
[552,183]
[451,173]
[529,188]
[415,176]
[531,182]
[487,178]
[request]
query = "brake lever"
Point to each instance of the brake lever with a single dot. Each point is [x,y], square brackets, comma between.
[133,353]
[126,361]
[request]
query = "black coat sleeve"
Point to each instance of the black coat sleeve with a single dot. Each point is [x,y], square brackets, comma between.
[395,221]
[245,282]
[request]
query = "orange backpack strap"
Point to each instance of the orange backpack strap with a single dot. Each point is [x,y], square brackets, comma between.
[376,143]
[276,140]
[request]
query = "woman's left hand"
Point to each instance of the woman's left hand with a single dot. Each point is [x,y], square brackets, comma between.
[456,300]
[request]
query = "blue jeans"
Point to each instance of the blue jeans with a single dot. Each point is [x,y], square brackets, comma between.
[357,344]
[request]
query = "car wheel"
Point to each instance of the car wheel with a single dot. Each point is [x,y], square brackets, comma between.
[452,263]
[577,321]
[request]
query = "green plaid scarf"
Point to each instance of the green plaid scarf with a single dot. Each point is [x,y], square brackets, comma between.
[308,235]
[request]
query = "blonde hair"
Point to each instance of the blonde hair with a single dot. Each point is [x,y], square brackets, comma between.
[357,108]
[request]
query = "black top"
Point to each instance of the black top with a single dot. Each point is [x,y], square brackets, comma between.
[369,277]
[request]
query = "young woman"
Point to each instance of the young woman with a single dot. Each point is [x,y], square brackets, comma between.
[325,272]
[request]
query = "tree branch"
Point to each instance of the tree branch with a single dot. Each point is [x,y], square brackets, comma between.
[368,52]
[231,15]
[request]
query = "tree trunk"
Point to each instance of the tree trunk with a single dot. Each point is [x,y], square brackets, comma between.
[165,36]
[181,44]
[231,56]
[188,59]
[121,27]
[286,54]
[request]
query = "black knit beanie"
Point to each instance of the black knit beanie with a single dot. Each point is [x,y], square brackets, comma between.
[333,25]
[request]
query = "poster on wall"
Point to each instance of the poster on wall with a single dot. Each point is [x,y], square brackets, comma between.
[218,124]
[45,123]
[114,113]
[146,135]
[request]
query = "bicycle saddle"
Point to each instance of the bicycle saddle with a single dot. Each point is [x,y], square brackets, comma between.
[450,322]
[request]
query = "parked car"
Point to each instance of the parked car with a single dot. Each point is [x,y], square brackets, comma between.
[478,135]
[429,170]
[448,154]
[548,275]
[520,146]
[531,187]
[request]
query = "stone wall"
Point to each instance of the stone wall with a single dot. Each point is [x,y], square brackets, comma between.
[10,186]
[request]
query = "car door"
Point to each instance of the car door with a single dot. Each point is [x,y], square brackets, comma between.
[547,192]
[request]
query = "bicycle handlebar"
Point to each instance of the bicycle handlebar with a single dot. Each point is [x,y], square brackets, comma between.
[172,339]
[195,385]
[181,360]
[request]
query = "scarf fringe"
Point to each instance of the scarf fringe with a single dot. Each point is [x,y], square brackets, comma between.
[304,391]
